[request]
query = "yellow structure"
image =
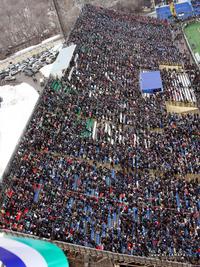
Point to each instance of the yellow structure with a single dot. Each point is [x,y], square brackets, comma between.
[171,67]
[172,8]
[180,107]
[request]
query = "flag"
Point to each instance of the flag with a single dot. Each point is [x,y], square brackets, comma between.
[37,191]
[113,174]
[18,216]
[9,193]
[27,252]
[178,203]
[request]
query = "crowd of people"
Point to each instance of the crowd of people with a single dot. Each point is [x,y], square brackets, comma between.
[101,164]
[196,7]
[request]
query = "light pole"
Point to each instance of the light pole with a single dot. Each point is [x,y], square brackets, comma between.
[57,9]
[154,4]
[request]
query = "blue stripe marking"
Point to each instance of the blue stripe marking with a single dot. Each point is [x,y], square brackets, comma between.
[9,259]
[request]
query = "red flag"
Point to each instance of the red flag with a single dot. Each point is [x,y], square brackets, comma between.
[25,157]
[111,190]
[25,211]
[18,216]
[100,247]
[9,193]
[130,246]
[7,213]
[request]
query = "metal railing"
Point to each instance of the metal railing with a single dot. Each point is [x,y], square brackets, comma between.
[115,257]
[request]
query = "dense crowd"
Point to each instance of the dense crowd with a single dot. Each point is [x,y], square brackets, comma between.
[101,164]
[196,7]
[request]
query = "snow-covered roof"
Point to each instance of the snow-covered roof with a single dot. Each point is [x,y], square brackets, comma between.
[61,63]
[13,119]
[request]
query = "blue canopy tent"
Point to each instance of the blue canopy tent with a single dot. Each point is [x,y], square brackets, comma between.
[150,82]
[183,10]
[163,12]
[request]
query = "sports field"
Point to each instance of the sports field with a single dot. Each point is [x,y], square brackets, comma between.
[192,32]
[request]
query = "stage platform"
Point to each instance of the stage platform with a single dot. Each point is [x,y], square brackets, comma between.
[150,82]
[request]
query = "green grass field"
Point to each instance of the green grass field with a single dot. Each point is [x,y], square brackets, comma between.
[192,32]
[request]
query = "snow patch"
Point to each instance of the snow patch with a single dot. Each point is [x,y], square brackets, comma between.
[57,47]
[16,108]
[51,39]
[54,38]
[25,50]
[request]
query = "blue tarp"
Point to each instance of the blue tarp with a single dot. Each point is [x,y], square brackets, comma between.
[151,82]
[183,10]
[163,12]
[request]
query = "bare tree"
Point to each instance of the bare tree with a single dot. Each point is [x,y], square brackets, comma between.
[25,19]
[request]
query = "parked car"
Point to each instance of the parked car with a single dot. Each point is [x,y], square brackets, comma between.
[3,75]
[42,59]
[28,72]
[13,72]
[35,69]
[10,78]
[49,60]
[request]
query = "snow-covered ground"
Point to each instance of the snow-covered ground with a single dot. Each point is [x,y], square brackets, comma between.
[61,63]
[54,38]
[16,108]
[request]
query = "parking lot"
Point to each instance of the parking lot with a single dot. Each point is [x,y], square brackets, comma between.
[26,64]
[19,57]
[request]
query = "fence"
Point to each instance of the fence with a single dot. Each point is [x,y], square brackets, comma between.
[114,257]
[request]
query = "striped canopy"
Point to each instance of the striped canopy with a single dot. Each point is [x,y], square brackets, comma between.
[27,252]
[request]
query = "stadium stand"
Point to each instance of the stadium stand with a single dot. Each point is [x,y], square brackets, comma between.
[196,7]
[183,11]
[125,188]
[163,12]
[179,86]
